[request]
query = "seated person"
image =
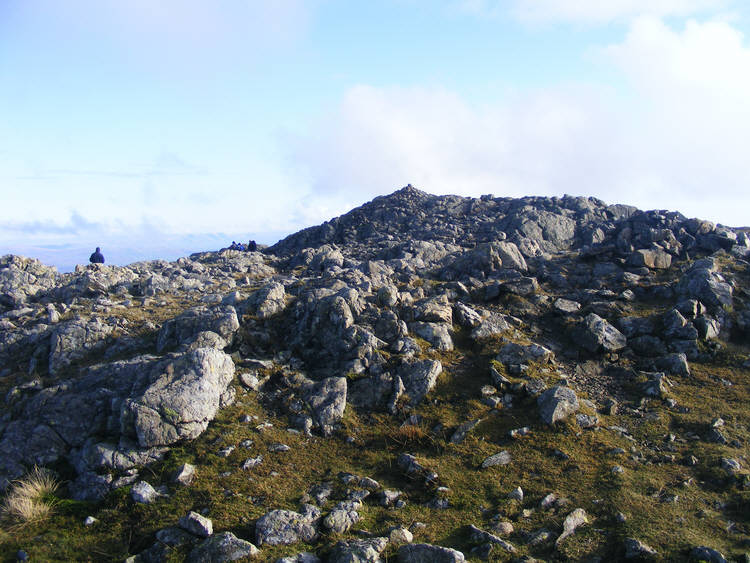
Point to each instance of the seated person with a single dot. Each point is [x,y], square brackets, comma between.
[97,257]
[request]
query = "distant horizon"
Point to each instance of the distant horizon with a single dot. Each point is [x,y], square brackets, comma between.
[121,251]
[142,121]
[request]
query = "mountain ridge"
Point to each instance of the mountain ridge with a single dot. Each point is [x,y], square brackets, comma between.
[502,371]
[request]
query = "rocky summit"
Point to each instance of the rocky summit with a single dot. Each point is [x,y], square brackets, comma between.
[425,378]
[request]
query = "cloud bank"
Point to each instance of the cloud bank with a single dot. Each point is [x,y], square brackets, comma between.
[674,139]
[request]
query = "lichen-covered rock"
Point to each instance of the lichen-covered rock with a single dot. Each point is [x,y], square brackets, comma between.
[595,334]
[428,553]
[222,547]
[327,400]
[180,402]
[269,300]
[512,353]
[557,403]
[419,378]
[358,551]
[75,339]
[285,527]
[221,319]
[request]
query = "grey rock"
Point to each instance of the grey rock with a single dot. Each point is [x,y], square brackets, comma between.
[502,458]
[181,402]
[595,334]
[174,536]
[419,378]
[358,551]
[220,548]
[480,536]
[327,401]
[655,259]
[566,306]
[657,385]
[703,283]
[703,553]
[270,300]
[197,524]
[494,325]
[303,557]
[284,527]
[221,320]
[466,316]
[437,334]
[637,549]
[572,521]
[342,516]
[677,327]
[427,553]
[557,403]
[74,340]
[513,353]
[459,435]
[143,493]
[184,474]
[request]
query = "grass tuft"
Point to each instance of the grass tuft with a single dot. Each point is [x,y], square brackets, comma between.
[29,499]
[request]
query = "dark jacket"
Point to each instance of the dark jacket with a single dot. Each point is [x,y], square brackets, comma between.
[96,258]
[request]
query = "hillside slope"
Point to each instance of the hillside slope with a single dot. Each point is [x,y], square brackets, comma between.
[425,378]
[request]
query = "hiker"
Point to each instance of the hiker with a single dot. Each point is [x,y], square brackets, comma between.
[251,246]
[233,246]
[97,257]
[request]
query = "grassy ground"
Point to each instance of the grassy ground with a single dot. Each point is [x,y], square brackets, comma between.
[669,505]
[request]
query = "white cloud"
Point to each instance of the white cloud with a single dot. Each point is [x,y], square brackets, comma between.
[592,11]
[675,140]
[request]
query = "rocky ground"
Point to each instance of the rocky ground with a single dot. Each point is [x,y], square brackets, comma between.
[422,379]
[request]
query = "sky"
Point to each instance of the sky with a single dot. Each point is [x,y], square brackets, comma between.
[157,129]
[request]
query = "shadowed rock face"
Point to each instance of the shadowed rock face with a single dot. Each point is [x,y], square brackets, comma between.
[107,368]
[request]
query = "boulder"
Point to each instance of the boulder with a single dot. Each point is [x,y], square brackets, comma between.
[427,553]
[419,378]
[220,548]
[358,551]
[327,401]
[221,319]
[179,403]
[557,403]
[285,527]
[269,300]
[595,334]
[513,354]
[650,258]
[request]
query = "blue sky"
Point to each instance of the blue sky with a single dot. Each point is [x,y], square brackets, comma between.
[157,130]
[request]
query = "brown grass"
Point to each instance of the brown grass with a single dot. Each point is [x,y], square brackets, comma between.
[28,499]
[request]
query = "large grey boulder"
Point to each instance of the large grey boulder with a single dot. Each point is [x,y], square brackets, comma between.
[428,553]
[595,334]
[222,547]
[557,403]
[74,340]
[285,527]
[269,300]
[358,551]
[343,516]
[221,319]
[703,553]
[419,378]
[512,353]
[327,401]
[651,258]
[22,278]
[179,403]
[136,404]
[437,334]
[704,283]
